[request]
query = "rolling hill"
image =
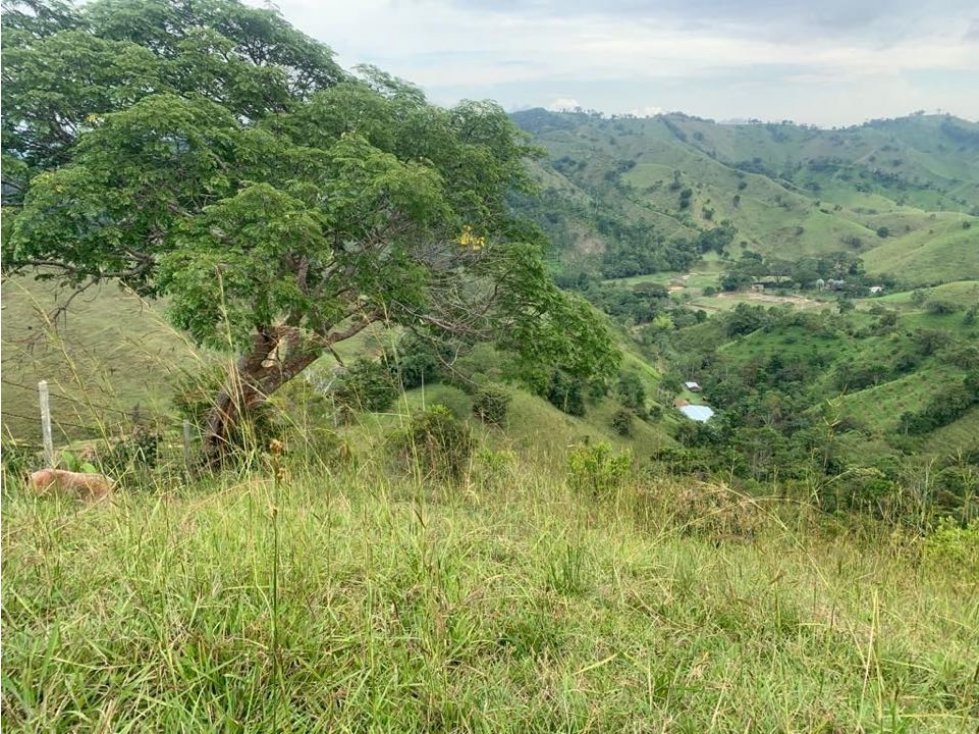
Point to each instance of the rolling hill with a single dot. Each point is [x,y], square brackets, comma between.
[904,193]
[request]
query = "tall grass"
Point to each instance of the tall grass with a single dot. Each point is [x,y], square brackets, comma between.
[354,600]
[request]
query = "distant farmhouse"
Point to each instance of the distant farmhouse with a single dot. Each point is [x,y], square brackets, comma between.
[692,386]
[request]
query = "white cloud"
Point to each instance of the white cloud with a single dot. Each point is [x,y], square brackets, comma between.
[563,103]
[453,50]
[647,111]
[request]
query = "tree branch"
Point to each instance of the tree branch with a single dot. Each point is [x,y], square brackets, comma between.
[361,322]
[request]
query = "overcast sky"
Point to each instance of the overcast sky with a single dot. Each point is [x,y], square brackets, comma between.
[824,62]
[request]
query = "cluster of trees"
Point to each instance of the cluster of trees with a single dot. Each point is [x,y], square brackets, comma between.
[636,249]
[753,267]
[944,408]
[810,465]
[776,420]
[210,153]
[646,305]
[639,304]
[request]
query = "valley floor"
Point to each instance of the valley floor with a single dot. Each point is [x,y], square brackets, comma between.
[363,603]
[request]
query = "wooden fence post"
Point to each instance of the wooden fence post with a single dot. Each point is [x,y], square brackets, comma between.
[42,389]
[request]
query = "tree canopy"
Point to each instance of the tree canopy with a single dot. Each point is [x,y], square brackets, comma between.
[208,152]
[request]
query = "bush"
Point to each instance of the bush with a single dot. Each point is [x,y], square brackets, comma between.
[567,393]
[140,450]
[596,470]
[941,308]
[491,405]
[437,444]
[631,391]
[496,469]
[417,360]
[970,316]
[622,422]
[367,386]
[954,546]
[71,461]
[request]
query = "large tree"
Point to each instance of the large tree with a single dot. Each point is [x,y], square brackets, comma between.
[208,152]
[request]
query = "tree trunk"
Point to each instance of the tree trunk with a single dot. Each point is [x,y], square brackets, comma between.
[257,375]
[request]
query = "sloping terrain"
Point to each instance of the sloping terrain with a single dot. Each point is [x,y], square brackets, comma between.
[905,192]
[107,354]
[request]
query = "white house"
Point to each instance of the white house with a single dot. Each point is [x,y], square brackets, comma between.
[692,386]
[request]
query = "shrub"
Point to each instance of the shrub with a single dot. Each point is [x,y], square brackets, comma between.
[954,546]
[491,405]
[597,470]
[566,392]
[622,422]
[367,386]
[436,443]
[73,462]
[417,360]
[970,316]
[956,492]
[140,450]
[941,308]
[496,469]
[631,391]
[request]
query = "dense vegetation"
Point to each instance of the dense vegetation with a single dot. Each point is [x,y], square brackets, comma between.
[903,194]
[478,508]
[781,268]
[213,155]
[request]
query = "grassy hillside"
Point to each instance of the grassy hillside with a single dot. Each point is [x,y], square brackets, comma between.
[113,352]
[900,191]
[964,293]
[946,251]
[873,366]
[351,600]
[108,353]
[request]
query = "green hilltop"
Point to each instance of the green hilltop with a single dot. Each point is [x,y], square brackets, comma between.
[674,217]
[901,193]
